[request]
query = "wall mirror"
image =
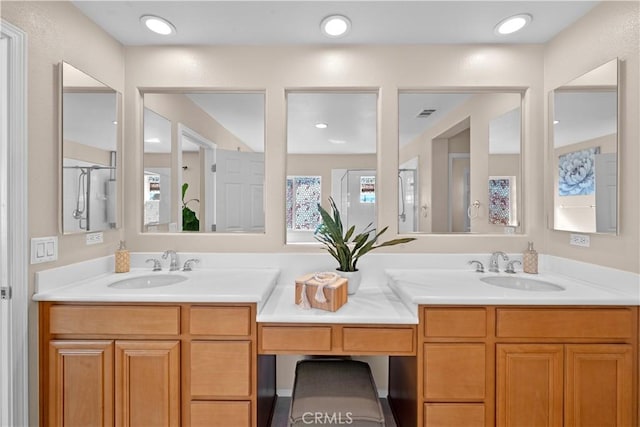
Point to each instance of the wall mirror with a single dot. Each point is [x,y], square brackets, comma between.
[90,134]
[331,152]
[460,162]
[584,135]
[203,162]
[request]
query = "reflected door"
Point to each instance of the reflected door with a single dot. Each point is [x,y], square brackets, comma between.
[239,191]
[606,192]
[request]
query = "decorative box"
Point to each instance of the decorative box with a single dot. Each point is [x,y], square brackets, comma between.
[335,292]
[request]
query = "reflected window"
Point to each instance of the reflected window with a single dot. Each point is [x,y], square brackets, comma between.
[303,197]
[367,189]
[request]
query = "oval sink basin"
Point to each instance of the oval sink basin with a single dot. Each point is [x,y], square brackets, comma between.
[150,281]
[522,284]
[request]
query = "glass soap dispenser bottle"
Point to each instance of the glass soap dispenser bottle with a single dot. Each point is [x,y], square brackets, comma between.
[530,260]
[123,263]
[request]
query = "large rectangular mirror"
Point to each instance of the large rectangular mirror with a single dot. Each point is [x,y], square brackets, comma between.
[331,152]
[584,135]
[203,162]
[460,162]
[90,134]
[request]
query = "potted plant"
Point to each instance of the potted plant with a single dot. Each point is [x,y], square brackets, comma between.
[190,221]
[347,247]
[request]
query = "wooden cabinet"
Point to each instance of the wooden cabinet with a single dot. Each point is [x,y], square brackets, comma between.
[520,366]
[599,385]
[529,381]
[152,365]
[85,376]
[147,383]
[80,383]
[337,339]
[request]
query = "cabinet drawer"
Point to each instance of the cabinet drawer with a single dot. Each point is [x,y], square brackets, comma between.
[295,338]
[564,323]
[220,368]
[383,340]
[220,414]
[454,372]
[225,321]
[120,320]
[455,322]
[453,414]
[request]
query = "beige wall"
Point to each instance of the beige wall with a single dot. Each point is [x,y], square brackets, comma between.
[611,29]
[57,32]
[276,69]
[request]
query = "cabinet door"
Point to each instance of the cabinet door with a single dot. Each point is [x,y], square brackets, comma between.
[147,383]
[81,383]
[454,372]
[599,385]
[529,385]
[220,369]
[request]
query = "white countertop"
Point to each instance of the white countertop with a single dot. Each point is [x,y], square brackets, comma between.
[370,304]
[203,285]
[433,286]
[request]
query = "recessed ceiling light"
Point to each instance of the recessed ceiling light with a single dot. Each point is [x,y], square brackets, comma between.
[158,25]
[555,122]
[115,122]
[152,141]
[335,26]
[337,141]
[321,125]
[513,23]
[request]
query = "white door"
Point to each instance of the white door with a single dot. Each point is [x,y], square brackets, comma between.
[13,228]
[606,192]
[5,326]
[239,191]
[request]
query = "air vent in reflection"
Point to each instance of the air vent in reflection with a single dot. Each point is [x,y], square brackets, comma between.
[426,113]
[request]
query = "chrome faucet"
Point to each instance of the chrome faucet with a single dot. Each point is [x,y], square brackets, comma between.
[173,266]
[510,265]
[156,264]
[493,261]
[188,264]
[479,266]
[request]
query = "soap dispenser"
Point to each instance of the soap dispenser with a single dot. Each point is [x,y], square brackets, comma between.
[530,260]
[123,262]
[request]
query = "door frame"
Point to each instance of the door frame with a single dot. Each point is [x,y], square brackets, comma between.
[209,148]
[16,365]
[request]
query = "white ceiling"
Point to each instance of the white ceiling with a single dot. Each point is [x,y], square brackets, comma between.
[583,116]
[297,22]
[89,117]
[352,118]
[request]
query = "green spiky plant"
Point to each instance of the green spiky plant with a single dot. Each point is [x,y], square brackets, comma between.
[346,248]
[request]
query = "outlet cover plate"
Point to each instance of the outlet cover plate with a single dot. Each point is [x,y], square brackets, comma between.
[94,238]
[580,240]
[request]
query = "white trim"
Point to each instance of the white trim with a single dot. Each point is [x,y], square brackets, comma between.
[17,232]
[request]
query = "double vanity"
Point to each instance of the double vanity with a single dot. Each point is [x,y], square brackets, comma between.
[464,348]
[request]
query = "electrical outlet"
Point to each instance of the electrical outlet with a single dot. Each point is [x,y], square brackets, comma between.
[580,240]
[94,238]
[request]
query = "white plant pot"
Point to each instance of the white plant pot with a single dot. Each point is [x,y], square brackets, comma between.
[354,278]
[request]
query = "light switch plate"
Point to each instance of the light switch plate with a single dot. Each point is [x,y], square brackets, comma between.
[94,238]
[44,249]
[580,240]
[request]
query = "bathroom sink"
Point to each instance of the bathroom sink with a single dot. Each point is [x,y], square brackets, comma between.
[149,281]
[522,284]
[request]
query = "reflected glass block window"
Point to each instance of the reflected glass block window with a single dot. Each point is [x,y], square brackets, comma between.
[303,196]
